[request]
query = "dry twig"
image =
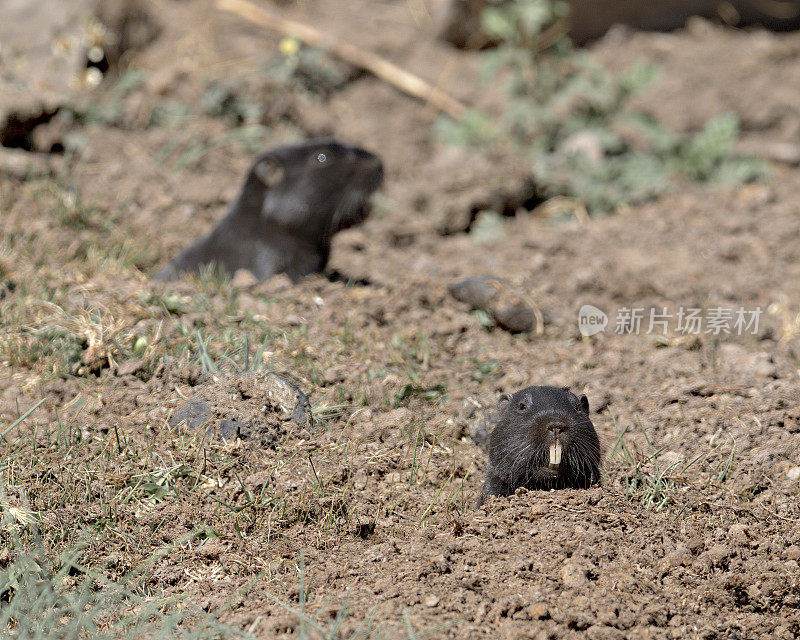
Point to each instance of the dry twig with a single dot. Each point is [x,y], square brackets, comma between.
[378,66]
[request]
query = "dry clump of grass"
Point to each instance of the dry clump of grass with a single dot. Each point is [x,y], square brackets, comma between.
[80,342]
[50,596]
[91,491]
[72,461]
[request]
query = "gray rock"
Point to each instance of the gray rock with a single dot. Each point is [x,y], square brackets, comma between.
[476,291]
[508,310]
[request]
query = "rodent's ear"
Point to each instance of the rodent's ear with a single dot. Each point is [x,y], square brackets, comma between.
[269,171]
[503,401]
[584,402]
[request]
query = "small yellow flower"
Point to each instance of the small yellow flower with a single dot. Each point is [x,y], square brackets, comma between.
[289,46]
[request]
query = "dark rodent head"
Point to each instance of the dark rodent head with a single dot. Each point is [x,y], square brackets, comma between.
[315,188]
[542,428]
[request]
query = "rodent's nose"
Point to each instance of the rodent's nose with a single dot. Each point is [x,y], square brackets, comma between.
[366,159]
[359,154]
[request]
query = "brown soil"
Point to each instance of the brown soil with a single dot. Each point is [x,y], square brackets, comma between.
[376,501]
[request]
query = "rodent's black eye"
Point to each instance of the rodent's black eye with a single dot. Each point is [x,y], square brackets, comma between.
[322,158]
[522,405]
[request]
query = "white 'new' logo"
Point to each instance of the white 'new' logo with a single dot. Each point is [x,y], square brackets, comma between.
[591,320]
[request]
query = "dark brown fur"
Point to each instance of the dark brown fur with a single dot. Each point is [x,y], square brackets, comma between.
[294,199]
[519,445]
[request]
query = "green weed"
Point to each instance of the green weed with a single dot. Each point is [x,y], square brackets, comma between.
[484,370]
[435,394]
[224,100]
[109,110]
[305,68]
[569,117]
[646,477]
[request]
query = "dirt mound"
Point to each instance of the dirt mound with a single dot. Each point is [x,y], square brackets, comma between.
[251,407]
